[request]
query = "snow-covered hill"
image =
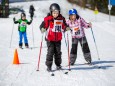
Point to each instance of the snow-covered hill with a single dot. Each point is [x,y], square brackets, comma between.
[25,74]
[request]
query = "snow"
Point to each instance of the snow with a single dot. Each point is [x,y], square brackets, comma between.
[25,74]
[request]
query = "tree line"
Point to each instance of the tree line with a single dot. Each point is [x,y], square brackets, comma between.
[102,5]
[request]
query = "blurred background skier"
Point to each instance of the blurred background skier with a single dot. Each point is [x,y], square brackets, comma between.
[22,29]
[31,11]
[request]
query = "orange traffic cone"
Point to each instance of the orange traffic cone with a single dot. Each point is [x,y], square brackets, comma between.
[16,59]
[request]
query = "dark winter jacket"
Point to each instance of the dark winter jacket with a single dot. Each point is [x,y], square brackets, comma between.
[31,11]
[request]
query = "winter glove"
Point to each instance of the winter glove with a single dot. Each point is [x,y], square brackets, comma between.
[43,30]
[90,25]
[67,28]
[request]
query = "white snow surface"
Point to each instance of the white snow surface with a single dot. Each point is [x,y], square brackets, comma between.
[25,73]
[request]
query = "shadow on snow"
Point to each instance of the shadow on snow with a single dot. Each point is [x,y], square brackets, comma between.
[96,65]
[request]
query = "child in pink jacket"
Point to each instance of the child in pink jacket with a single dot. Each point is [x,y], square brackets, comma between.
[77,25]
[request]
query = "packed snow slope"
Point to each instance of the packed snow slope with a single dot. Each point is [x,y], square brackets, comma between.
[25,73]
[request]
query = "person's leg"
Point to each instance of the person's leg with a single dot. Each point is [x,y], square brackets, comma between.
[73,53]
[32,15]
[25,39]
[20,39]
[85,49]
[49,56]
[57,56]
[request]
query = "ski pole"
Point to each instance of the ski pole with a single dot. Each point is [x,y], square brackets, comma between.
[95,43]
[68,53]
[11,35]
[33,35]
[40,52]
[65,39]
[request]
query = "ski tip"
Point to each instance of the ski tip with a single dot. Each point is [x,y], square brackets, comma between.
[66,72]
[37,70]
[69,69]
[52,74]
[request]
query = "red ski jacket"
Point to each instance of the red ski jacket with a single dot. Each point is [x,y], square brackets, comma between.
[54,27]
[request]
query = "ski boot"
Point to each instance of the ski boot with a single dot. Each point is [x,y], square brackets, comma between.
[58,67]
[89,63]
[20,45]
[26,45]
[49,69]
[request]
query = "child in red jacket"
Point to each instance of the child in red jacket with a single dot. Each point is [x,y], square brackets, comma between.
[54,23]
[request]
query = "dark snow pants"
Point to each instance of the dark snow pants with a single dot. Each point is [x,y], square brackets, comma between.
[85,50]
[53,50]
[31,15]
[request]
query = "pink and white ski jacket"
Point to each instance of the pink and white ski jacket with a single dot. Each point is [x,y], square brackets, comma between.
[77,27]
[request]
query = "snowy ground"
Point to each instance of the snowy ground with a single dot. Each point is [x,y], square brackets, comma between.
[25,74]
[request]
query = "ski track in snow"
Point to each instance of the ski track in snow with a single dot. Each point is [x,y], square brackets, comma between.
[25,73]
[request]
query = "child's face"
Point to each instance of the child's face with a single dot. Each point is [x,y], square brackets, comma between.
[23,17]
[55,14]
[72,17]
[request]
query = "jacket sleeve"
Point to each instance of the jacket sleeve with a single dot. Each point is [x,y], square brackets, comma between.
[84,24]
[42,25]
[18,21]
[64,24]
[29,22]
[67,22]
[46,22]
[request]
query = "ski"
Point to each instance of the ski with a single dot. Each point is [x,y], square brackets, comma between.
[94,65]
[21,48]
[26,48]
[51,73]
[63,71]
[60,70]
[91,65]
[29,48]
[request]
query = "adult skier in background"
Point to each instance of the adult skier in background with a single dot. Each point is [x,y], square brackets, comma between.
[31,11]
[22,29]
[77,25]
[54,23]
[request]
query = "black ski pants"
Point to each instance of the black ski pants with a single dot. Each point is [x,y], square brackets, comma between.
[85,50]
[53,50]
